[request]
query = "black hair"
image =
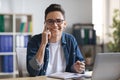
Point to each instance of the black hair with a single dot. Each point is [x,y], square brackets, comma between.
[54,7]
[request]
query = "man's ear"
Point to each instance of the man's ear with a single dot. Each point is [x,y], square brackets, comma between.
[65,24]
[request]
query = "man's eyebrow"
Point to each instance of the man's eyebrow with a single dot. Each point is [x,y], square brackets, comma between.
[55,19]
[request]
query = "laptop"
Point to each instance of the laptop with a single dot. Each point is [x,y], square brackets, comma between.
[106,66]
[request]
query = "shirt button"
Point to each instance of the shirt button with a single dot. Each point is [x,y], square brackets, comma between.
[44,71]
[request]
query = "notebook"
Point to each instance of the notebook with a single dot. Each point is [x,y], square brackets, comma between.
[68,75]
[106,66]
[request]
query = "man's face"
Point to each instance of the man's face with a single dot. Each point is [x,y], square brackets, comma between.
[55,23]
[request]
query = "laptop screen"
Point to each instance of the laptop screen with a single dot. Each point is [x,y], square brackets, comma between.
[106,66]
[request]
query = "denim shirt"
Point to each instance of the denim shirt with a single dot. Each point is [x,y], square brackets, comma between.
[70,48]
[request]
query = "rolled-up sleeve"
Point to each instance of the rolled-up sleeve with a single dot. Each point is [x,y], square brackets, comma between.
[35,64]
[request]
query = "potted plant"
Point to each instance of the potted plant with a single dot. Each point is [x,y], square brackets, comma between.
[114,45]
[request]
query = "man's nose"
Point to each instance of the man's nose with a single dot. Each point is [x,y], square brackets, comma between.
[55,24]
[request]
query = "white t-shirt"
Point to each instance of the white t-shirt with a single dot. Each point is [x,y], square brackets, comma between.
[57,62]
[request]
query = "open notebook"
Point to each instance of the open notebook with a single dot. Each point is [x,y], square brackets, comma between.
[67,75]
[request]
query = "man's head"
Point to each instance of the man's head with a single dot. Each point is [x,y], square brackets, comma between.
[54,7]
[55,21]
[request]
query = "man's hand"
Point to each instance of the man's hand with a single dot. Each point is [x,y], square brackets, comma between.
[46,35]
[79,67]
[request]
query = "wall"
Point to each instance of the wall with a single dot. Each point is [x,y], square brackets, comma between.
[78,11]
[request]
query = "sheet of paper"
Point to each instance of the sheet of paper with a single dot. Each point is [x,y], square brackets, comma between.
[66,75]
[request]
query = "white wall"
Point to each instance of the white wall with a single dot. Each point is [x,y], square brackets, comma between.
[77,11]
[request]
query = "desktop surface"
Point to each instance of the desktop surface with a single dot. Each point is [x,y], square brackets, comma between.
[41,78]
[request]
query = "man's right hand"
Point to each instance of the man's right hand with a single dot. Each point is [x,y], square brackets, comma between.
[46,35]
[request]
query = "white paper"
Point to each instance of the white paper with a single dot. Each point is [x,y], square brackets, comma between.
[66,75]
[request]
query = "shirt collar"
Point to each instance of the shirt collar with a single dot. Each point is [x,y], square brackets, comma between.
[63,40]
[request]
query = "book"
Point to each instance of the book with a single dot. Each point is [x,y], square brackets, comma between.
[26,39]
[30,26]
[10,63]
[5,67]
[22,40]
[79,36]
[22,26]
[85,36]
[6,45]
[2,23]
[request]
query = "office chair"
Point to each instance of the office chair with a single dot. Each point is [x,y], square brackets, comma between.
[21,61]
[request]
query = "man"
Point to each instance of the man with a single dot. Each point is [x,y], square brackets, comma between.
[53,50]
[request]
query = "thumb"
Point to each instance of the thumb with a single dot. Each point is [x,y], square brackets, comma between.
[77,62]
[80,62]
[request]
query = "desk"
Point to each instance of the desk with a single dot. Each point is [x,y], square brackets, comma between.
[31,78]
[38,78]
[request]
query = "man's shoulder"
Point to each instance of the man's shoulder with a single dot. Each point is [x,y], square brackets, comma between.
[36,37]
[68,35]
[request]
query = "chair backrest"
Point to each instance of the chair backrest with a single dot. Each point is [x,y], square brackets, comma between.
[21,60]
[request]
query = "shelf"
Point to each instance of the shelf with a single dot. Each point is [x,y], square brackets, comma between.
[15,32]
[7,53]
[6,33]
[3,73]
[23,33]
[9,73]
[85,36]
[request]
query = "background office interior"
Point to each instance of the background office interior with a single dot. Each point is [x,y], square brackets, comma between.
[96,12]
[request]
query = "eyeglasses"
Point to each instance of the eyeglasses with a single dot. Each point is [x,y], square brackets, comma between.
[57,21]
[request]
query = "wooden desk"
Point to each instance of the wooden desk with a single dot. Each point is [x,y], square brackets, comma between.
[37,78]
[31,78]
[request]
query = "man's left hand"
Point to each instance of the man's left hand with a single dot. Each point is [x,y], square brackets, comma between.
[79,66]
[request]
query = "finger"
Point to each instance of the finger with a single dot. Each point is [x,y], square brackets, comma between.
[49,34]
[80,66]
[80,63]
[81,69]
[83,63]
[45,27]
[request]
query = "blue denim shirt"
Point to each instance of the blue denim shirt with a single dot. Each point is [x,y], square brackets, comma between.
[70,48]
